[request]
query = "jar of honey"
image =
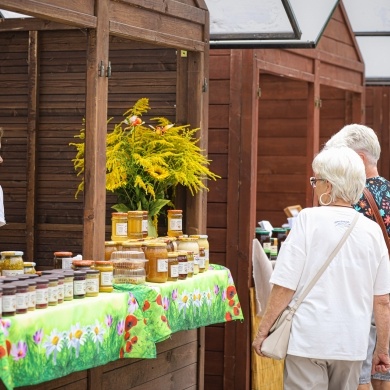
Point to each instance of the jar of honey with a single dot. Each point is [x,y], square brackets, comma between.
[175,223]
[173,266]
[134,224]
[157,266]
[119,226]
[109,247]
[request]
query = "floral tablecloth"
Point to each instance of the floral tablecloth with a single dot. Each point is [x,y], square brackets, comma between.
[46,344]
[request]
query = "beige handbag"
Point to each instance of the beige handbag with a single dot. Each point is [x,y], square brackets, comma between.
[276,344]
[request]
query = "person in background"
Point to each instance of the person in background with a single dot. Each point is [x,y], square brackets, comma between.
[2,218]
[364,141]
[329,334]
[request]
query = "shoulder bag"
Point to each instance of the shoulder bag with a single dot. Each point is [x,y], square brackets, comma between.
[377,216]
[276,343]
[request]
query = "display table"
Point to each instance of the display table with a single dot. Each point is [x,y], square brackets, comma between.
[77,335]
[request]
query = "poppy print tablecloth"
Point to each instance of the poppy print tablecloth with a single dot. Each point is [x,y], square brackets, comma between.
[76,335]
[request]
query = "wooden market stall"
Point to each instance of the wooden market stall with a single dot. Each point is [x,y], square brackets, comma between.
[93,59]
[270,112]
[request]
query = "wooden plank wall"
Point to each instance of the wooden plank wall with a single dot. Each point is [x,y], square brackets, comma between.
[138,70]
[378,118]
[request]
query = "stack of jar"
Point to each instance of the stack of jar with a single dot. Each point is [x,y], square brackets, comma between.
[130,225]
[271,241]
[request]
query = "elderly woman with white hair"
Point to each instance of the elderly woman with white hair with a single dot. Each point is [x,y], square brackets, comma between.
[330,328]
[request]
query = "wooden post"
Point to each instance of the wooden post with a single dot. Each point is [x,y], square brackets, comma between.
[95,139]
[32,128]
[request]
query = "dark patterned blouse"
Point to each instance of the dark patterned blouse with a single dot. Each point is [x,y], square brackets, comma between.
[380,190]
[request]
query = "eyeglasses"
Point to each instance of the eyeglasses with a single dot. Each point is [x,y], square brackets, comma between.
[313,181]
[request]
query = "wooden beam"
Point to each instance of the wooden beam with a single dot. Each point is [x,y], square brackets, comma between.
[32,24]
[32,128]
[61,12]
[95,137]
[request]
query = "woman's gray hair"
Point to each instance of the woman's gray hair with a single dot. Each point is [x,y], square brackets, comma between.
[360,138]
[344,169]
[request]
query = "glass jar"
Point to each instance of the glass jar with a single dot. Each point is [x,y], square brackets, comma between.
[183,265]
[62,260]
[109,247]
[79,284]
[92,283]
[190,264]
[29,267]
[190,244]
[157,266]
[173,266]
[12,263]
[21,297]
[134,224]
[281,235]
[175,223]
[145,224]
[61,288]
[32,284]
[68,285]
[82,265]
[202,240]
[106,270]
[119,226]
[9,300]
[53,290]
[42,293]
[201,259]
[265,240]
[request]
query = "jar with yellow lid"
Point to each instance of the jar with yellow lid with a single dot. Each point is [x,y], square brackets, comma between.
[134,224]
[175,223]
[173,266]
[109,247]
[203,242]
[106,270]
[157,266]
[29,267]
[190,244]
[119,226]
[12,263]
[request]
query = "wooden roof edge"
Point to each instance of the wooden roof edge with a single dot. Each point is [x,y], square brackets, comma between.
[33,24]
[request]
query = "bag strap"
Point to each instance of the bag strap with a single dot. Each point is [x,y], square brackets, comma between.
[377,216]
[325,265]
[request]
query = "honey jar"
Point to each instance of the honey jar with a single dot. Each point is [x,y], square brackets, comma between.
[173,266]
[119,226]
[134,224]
[175,223]
[157,266]
[109,247]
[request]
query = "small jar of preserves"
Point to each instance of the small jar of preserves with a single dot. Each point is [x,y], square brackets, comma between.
[119,226]
[42,293]
[175,223]
[183,265]
[29,267]
[106,270]
[281,235]
[12,263]
[62,260]
[134,224]
[68,285]
[157,266]
[9,300]
[61,288]
[145,224]
[173,266]
[32,284]
[190,264]
[201,259]
[92,283]
[109,247]
[82,265]
[53,289]
[265,240]
[22,297]
[79,284]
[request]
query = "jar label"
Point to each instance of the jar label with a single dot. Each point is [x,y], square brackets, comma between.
[9,303]
[60,292]
[176,224]
[207,254]
[79,287]
[53,294]
[92,285]
[201,262]
[190,267]
[22,301]
[121,229]
[145,225]
[267,245]
[183,268]
[13,272]
[42,295]
[68,289]
[67,263]
[196,259]
[106,278]
[162,265]
[32,299]
[174,273]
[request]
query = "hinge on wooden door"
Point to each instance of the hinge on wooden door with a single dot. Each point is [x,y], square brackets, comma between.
[259,93]
[318,103]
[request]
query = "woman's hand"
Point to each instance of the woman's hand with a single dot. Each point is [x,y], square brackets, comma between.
[257,342]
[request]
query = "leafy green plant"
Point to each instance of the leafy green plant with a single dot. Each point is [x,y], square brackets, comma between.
[146,163]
